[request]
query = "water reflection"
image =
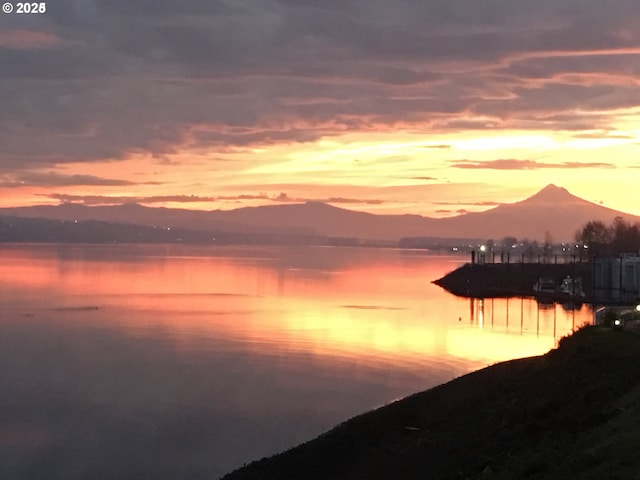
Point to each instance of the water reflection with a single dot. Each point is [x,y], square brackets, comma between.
[135,361]
[482,311]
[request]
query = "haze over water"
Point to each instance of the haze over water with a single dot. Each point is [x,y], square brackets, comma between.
[176,361]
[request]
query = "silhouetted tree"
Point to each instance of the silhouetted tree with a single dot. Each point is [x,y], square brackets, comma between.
[530,249]
[508,242]
[620,237]
[547,248]
[626,237]
[596,235]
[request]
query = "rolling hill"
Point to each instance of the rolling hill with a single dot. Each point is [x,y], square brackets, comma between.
[553,209]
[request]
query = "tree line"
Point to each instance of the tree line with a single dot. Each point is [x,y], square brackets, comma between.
[616,238]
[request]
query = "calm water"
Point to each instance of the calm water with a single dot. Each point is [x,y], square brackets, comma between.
[186,362]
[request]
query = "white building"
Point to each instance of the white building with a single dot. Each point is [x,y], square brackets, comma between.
[617,277]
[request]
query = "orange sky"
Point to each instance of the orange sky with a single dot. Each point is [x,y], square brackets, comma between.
[388,107]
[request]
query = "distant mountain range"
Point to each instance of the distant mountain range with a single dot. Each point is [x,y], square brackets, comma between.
[553,209]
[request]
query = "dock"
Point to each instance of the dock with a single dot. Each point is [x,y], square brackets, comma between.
[515,279]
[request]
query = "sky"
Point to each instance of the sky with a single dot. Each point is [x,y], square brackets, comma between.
[432,107]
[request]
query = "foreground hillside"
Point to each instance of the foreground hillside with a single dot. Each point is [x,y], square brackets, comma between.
[572,413]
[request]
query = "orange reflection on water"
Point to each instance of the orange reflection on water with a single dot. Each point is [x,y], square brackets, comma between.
[355,303]
[408,336]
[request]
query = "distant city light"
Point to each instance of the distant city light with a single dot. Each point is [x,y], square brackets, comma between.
[483,248]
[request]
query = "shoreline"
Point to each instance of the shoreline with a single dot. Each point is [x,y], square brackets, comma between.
[571,413]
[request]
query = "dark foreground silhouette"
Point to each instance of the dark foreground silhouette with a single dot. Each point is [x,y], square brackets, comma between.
[572,413]
[515,279]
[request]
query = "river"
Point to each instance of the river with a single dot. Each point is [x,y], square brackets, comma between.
[186,362]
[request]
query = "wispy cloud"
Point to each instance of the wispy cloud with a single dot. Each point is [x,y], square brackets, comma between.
[604,135]
[20,39]
[437,146]
[426,178]
[515,164]
[476,204]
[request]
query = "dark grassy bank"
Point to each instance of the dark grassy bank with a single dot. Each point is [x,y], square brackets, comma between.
[572,413]
[515,279]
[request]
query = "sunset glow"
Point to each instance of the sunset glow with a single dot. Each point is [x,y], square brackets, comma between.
[386,107]
[388,312]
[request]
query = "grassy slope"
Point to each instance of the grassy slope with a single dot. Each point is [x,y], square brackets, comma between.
[572,413]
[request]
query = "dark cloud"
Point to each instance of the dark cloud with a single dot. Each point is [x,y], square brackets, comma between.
[50,179]
[345,200]
[555,96]
[122,199]
[621,64]
[104,79]
[477,204]
[514,164]
[460,211]
[151,199]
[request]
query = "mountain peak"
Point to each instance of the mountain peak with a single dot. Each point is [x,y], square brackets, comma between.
[553,188]
[552,194]
[320,205]
[131,205]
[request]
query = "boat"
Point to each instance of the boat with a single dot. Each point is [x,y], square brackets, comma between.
[545,285]
[572,286]
[569,289]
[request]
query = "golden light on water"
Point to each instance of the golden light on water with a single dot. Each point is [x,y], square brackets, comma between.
[381,309]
